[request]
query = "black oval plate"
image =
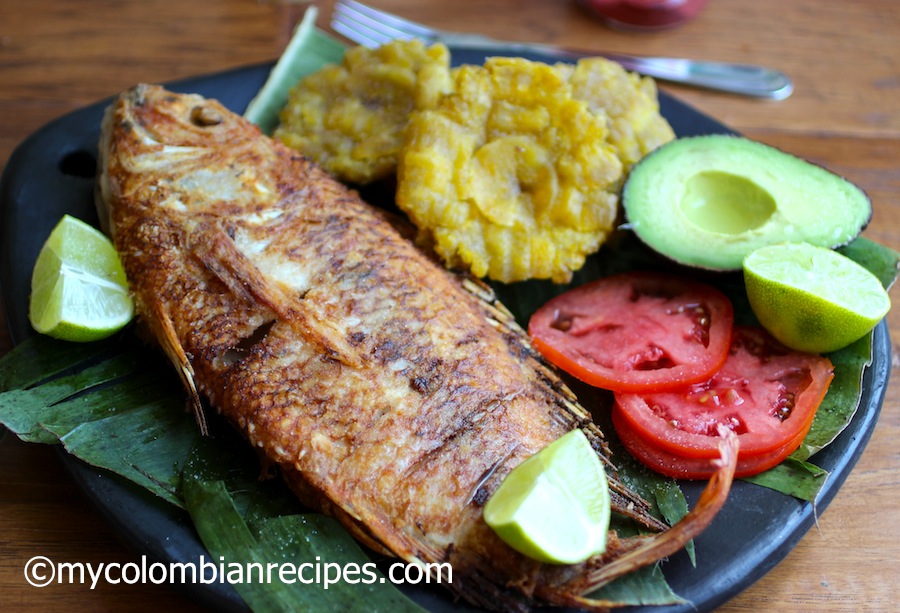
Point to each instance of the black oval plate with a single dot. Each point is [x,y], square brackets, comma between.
[52,173]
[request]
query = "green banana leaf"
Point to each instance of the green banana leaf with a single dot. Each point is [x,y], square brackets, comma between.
[256,524]
[117,405]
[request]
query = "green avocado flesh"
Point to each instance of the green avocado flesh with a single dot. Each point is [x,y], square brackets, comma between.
[708,201]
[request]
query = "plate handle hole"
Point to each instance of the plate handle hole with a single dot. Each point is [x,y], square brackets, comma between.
[79,164]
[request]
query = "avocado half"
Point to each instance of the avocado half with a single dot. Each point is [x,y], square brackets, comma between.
[708,201]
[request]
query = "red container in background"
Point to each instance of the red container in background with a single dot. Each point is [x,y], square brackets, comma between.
[643,14]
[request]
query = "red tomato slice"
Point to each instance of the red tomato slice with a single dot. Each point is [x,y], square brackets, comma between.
[766,393]
[677,467]
[636,332]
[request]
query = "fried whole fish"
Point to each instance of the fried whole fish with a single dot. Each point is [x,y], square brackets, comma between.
[393,394]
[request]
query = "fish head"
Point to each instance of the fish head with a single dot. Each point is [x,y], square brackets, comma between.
[165,118]
[178,151]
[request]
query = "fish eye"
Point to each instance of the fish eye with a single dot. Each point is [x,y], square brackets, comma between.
[204,117]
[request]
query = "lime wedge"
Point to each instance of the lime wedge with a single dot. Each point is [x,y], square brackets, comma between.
[554,507]
[78,286]
[812,298]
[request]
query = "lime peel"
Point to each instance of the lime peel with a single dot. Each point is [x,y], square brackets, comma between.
[812,298]
[554,507]
[78,287]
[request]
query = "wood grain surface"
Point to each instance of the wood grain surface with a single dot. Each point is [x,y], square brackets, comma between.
[59,55]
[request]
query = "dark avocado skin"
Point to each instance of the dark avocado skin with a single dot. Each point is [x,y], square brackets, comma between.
[708,201]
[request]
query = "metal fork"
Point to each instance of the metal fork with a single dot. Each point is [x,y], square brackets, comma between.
[372,27]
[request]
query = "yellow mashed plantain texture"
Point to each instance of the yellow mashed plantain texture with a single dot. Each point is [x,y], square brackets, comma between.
[629,101]
[511,175]
[350,118]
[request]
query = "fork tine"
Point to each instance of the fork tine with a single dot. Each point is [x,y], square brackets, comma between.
[358,32]
[380,21]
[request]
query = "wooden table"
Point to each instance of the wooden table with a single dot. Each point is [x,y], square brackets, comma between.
[59,55]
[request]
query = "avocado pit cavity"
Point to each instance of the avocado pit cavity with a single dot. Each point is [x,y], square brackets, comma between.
[725,203]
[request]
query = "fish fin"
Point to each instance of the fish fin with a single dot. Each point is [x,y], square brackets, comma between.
[175,352]
[213,246]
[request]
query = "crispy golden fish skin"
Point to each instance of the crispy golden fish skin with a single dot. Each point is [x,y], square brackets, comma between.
[391,393]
